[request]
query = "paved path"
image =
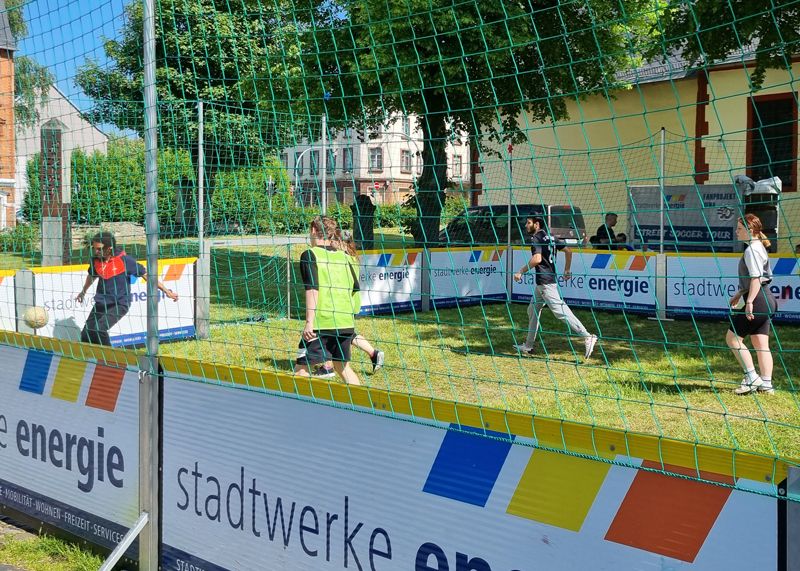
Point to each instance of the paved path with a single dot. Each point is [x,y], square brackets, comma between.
[267,240]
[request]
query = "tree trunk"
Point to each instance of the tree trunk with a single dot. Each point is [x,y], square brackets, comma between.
[433,180]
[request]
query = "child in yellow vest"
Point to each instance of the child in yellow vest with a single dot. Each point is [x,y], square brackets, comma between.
[332,301]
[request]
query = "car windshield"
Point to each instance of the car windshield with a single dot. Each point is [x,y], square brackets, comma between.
[484,225]
[565,218]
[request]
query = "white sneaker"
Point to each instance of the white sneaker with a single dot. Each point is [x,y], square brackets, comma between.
[766,388]
[747,387]
[590,342]
[524,349]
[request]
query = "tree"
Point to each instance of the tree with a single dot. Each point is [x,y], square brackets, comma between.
[707,31]
[206,50]
[469,67]
[31,79]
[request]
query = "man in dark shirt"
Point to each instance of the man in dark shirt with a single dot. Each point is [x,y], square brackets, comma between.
[543,259]
[605,235]
[113,268]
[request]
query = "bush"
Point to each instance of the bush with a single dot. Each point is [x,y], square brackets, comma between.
[22,239]
[111,187]
[241,197]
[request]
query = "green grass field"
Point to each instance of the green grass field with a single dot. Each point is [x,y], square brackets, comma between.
[673,379]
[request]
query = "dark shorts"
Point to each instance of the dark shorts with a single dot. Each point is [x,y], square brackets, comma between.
[329,345]
[764,307]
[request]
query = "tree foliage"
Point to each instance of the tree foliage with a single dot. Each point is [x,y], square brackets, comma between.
[206,50]
[469,67]
[708,31]
[31,79]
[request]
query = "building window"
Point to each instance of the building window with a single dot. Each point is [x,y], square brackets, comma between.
[314,162]
[347,159]
[772,139]
[298,163]
[457,167]
[405,161]
[376,159]
[407,126]
[285,160]
[331,164]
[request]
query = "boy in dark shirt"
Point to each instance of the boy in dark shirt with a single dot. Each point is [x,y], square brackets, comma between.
[113,268]
[543,259]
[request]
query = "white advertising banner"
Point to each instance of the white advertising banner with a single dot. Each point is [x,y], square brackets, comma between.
[57,287]
[619,279]
[69,443]
[390,281]
[703,284]
[8,312]
[305,486]
[463,276]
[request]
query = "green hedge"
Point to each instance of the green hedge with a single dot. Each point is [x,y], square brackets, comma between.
[241,198]
[22,239]
[110,187]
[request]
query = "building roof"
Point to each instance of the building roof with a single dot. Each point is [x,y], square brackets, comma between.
[6,38]
[674,66]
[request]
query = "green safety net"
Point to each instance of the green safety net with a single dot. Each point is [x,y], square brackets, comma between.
[427,130]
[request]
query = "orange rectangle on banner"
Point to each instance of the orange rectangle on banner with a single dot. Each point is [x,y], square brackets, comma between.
[105,387]
[639,263]
[669,515]
[174,272]
[68,380]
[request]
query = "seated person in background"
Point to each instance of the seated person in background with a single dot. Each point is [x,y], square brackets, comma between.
[797,250]
[622,238]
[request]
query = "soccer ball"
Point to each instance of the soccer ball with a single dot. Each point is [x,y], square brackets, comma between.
[35,317]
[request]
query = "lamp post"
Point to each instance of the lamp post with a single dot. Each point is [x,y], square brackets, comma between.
[299,158]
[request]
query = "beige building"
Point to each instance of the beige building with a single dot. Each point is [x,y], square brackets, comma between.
[383,163]
[716,127]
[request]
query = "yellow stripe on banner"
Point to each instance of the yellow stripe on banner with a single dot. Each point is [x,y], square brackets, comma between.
[703,255]
[552,433]
[59,269]
[391,251]
[163,263]
[558,489]
[7,273]
[621,261]
[83,267]
[68,380]
[112,356]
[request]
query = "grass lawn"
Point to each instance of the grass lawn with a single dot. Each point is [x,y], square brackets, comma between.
[47,554]
[674,379]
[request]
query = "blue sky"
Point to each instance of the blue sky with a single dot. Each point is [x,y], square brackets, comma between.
[64,33]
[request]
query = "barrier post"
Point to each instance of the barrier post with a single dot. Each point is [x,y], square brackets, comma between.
[149,465]
[790,535]
[149,543]
[425,279]
[661,288]
[24,297]
[202,292]
[288,281]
